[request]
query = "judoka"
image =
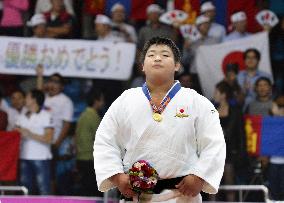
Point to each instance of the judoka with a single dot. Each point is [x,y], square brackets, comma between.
[174,128]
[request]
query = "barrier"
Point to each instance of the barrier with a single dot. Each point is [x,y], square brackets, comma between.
[242,188]
[14,188]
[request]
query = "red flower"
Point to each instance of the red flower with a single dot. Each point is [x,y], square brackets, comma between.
[181,110]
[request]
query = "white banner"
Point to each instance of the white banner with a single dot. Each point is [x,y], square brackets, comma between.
[211,60]
[71,58]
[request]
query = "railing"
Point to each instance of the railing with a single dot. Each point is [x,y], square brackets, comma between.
[242,188]
[23,189]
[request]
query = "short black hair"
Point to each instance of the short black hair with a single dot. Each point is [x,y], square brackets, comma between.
[266,79]
[19,91]
[59,76]
[224,87]
[161,41]
[38,95]
[94,95]
[255,51]
[232,67]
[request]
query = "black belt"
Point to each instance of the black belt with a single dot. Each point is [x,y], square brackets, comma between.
[161,185]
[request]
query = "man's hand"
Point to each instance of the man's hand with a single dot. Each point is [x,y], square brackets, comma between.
[190,185]
[121,181]
[39,70]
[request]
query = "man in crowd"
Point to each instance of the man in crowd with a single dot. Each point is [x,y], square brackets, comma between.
[119,26]
[216,30]
[239,23]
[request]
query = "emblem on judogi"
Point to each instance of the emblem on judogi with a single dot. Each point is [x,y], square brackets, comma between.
[181,112]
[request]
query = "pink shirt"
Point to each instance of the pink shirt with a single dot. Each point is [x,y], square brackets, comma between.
[12,12]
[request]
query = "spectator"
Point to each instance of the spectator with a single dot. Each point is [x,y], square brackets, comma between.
[216,30]
[60,106]
[262,104]
[232,125]
[58,21]
[185,80]
[103,30]
[276,167]
[36,130]
[119,26]
[87,125]
[239,23]
[17,108]
[247,78]
[43,6]
[154,27]
[231,78]
[38,25]
[12,22]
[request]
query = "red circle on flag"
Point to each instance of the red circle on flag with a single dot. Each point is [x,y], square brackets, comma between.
[233,57]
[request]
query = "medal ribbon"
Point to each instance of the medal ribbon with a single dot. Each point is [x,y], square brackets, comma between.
[170,95]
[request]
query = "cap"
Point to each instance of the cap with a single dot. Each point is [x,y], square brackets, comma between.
[201,19]
[154,8]
[102,19]
[239,16]
[37,19]
[207,6]
[116,6]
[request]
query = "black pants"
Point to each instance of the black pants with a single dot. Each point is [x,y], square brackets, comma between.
[88,181]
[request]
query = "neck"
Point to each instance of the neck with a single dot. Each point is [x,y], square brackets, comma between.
[251,72]
[159,88]
[34,109]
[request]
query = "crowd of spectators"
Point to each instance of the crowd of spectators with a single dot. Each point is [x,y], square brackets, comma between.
[57,117]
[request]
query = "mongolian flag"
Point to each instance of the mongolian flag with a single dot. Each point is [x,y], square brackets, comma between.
[9,155]
[265,135]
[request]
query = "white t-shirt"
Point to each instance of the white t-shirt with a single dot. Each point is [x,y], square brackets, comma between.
[37,123]
[61,108]
[13,116]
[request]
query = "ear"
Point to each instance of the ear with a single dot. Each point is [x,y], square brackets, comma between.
[142,66]
[177,66]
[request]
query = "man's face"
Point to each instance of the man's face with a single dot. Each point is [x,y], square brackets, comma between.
[263,89]
[118,15]
[101,29]
[204,28]
[251,61]
[153,17]
[210,14]
[54,86]
[17,100]
[241,26]
[159,63]
[231,76]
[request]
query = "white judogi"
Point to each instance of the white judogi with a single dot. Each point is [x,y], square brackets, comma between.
[174,147]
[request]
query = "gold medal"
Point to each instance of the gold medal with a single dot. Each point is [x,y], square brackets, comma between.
[157,117]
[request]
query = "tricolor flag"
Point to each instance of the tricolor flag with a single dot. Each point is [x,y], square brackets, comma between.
[212,60]
[265,135]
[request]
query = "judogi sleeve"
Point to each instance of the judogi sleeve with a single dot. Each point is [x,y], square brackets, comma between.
[107,148]
[210,144]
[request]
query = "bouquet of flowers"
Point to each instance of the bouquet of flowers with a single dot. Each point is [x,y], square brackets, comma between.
[143,177]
